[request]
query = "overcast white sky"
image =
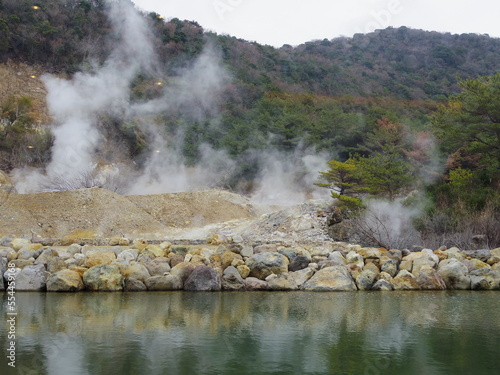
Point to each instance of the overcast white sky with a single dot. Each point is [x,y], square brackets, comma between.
[278,22]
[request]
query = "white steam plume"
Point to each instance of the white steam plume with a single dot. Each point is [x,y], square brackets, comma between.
[74,104]
[286,179]
[194,94]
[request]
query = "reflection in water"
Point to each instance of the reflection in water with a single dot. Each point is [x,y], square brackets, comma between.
[256,333]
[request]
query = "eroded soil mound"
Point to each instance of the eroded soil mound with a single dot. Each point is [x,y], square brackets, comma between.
[100,213]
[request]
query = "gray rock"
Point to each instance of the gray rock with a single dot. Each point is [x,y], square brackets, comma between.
[391,267]
[134,285]
[382,285]
[65,281]
[365,280]
[337,258]
[246,251]
[354,258]
[290,254]
[327,263]
[232,280]
[323,251]
[158,266]
[429,254]
[203,278]
[103,278]
[454,274]
[56,264]
[253,284]
[283,281]
[128,255]
[32,278]
[421,262]
[18,243]
[303,275]
[3,268]
[266,248]
[27,254]
[8,253]
[136,271]
[235,247]
[263,264]
[5,241]
[335,278]
[46,255]
[145,256]
[483,279]
[179,250]
[74,249]
[405,280]
[298,263]
[429,279]
[11,271]
[169,282]
[182,270]
[395,254]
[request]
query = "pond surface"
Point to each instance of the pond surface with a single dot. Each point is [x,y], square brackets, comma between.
[255,333]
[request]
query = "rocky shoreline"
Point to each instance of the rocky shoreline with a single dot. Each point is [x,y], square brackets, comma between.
[229,264]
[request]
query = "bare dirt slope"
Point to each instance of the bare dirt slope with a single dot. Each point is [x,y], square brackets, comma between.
[194,209]
[100,213]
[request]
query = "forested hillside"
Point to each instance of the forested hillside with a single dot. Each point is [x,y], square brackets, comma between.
[398,98]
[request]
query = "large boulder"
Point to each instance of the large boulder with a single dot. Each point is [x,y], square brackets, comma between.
[475,264]
[96,257]
[422,262]
[253,284]
[134,285]
[232,280]
[228,257]
[283,281]
[263,264]
[390,266]
[56,264]
[32,278]
[298,263]
[65,281]
[355,259]
[136,271]
[337,258]
[182,270]
[429,279]
[454,273]
[46,256]
[336,278]
[302,276]
[483,279]
[265,248]
[103,277]
[169,282]
[365,279]
[18,243]
[382,285]
[203,278]
[128,255]
[158,266]
[405,280]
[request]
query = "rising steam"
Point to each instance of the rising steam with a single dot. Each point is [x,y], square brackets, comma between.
[76,104]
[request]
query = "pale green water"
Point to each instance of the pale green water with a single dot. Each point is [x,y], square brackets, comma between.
[255,333]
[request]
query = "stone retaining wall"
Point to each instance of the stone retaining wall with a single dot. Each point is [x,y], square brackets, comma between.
[233,265]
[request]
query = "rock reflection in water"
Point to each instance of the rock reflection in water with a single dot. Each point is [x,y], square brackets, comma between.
[260,332]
